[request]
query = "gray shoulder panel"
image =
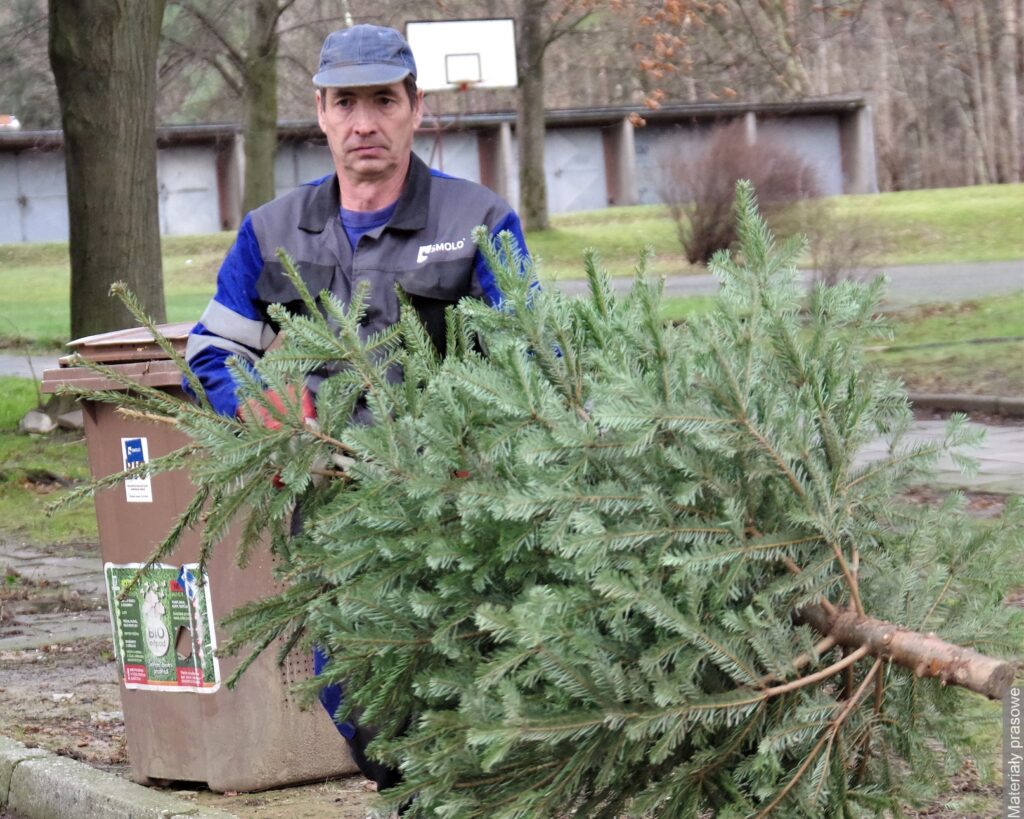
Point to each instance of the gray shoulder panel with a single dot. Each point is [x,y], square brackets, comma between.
[473,201]
[275,222]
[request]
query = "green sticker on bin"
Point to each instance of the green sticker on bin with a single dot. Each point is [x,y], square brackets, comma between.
[164,638]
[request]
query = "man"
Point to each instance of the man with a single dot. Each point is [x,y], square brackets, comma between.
[382,218]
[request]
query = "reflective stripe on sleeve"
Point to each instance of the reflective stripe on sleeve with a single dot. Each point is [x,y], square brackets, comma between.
[197,343]
[226,323]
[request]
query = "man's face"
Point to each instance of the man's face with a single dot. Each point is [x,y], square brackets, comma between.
[369,130]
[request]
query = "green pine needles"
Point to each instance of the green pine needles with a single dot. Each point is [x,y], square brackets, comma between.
[564,571]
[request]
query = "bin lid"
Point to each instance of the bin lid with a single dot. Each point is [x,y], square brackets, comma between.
[133,344]
[133,351]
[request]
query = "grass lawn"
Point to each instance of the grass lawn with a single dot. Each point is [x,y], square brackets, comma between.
[973,348]
[982,223]
[31,471]
[959,224]
[947,348]
[38,316]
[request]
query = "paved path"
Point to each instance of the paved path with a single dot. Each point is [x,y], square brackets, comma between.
[81,574]
[1000,459]
[24,365]
[909,284]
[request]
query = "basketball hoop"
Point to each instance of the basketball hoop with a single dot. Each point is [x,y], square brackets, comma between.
[460,55]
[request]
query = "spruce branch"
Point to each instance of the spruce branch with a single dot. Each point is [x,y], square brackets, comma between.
[129,300]
[825,741]
[150,417]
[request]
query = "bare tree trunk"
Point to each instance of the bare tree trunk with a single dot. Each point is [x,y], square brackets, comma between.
[925,654]
[974,166]
[995,153]
[822,73]
[103,54]
[782,18]
[975,97]
[882,48]
[533,198]
[1009,67]
[1020,36]
[691,87]
[906,112]
[931,167]
[260,104]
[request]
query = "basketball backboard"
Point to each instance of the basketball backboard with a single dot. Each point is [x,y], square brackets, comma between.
[453,55]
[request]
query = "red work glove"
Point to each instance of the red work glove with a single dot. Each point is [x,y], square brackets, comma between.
[255,410]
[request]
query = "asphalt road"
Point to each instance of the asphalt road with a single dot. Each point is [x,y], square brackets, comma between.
[908,285]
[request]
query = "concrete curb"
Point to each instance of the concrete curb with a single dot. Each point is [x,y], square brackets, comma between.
[954,402]
[36,784]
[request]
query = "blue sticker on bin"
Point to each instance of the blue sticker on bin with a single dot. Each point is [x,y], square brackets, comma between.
[134,453]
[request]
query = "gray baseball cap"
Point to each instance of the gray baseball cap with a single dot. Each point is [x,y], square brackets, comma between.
[364,55]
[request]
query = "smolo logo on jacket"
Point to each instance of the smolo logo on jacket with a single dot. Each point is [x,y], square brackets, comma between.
[426,250]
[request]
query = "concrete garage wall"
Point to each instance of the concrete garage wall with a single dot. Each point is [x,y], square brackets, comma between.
[815,140]
[574,170]
[456,153]
[299,162]
[33,197]
[593,158]
[10,208]
[657,142]
[187,185]
[34,205]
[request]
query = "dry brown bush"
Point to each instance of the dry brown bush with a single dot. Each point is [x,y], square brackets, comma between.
[699,191]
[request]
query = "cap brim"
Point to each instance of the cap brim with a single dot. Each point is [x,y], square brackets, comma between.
[355,76]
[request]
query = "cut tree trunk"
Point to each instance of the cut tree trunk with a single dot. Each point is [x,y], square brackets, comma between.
[103,54]
[925,654]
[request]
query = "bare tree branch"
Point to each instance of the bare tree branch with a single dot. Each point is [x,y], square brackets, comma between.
[211,26]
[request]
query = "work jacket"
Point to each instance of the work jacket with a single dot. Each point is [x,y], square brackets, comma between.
[426,249]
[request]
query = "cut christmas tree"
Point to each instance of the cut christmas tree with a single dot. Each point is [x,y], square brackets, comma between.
[591,564]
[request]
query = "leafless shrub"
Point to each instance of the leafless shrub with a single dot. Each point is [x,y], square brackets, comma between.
[840,245]
[841,249]
[699,191]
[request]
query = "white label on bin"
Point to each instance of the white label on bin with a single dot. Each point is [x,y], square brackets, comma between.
[135,451]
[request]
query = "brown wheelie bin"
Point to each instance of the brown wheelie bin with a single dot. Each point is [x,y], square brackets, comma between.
[182,723]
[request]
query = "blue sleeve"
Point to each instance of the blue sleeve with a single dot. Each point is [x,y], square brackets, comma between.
[210,367]
[231,323]
[236,279]
[484,275]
